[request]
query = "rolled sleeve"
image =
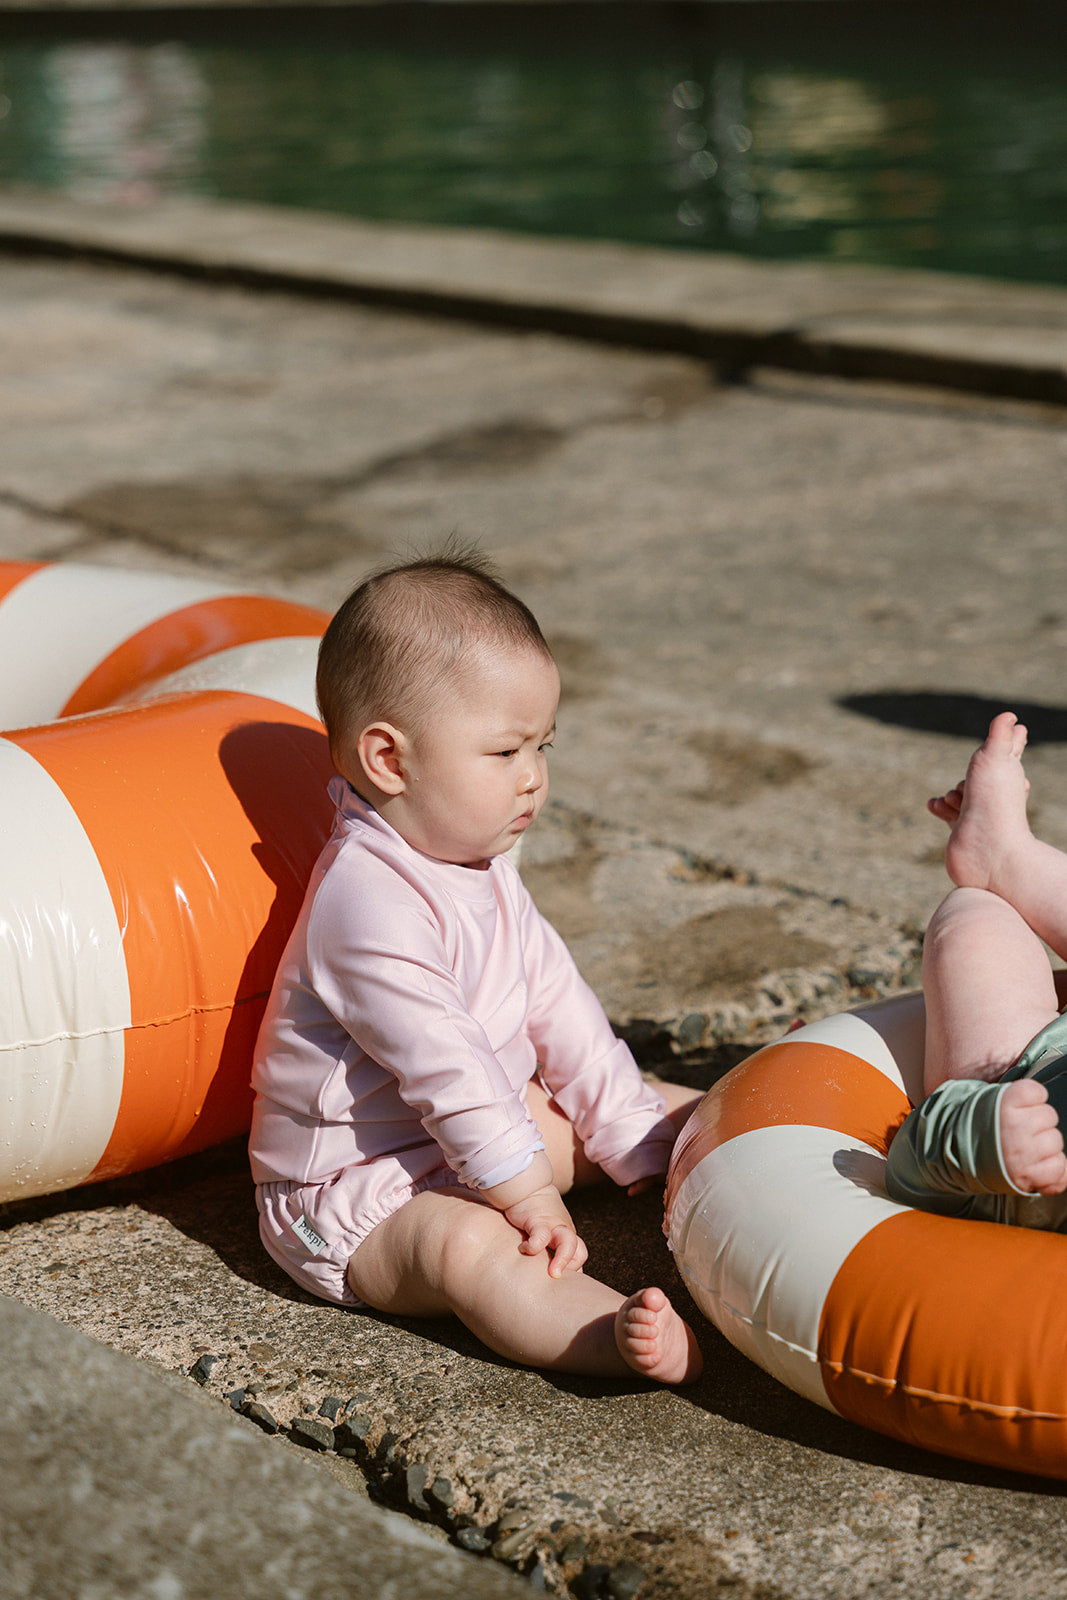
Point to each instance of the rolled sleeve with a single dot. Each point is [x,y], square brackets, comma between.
[947,1151]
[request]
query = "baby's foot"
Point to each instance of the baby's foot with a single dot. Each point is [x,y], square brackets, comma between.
[1031,1144]
[653,1339]
[987,811]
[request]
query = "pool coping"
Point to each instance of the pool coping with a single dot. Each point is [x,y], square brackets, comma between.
[977,335]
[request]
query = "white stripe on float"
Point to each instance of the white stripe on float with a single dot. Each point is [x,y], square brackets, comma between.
[61,621]
[889,1035]
[67,1000]
[275,669]
[760,1229]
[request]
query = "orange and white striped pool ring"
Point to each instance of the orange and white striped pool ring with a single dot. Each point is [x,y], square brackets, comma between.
[158,824]
[945,1333]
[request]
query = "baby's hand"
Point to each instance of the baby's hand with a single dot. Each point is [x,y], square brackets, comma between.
[545,1223]
[1031,1144]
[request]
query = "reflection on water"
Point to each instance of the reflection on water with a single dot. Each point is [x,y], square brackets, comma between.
[125,123]
[772,130]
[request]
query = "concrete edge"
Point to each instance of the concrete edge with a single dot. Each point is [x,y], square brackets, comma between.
[973,335]
[118,1481]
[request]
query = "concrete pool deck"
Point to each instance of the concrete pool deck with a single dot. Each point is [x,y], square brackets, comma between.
[783,603]
[867,322]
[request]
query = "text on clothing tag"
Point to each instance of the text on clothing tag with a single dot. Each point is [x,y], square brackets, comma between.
[305,1232]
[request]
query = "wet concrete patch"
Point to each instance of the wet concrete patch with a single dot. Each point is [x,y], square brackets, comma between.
[583,666]
[738,767]
[280,525]
[269,525]
[670,393]
[563,888]
[693,957]
[493,447]
[727,951]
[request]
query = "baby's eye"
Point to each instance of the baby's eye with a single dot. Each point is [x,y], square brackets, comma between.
[507,754]
[548,744]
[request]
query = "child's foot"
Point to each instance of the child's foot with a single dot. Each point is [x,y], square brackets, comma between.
[1031,1144]
[655,1341]
[987,811]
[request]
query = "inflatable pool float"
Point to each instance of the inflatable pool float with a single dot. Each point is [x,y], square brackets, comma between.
[162,801]
[944,1333]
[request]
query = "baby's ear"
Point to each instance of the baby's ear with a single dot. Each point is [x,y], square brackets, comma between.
[380,749]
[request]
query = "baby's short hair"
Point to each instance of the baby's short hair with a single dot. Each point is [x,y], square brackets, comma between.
[406,629]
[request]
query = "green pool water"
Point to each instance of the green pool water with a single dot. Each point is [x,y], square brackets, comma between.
[926,134]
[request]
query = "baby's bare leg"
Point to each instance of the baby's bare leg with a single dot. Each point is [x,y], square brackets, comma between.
[571,1167]
[445,1251]
[988,987]
[681,1100]
[989,990]
[991,846]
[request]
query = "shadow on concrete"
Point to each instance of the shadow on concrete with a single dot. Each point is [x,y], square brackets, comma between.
[965,715]
[624,1252]
[210,1199]
[743,1394]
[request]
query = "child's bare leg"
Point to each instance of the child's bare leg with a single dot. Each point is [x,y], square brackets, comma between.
[571,1167]
[989,990]
[991,846]
[681,1100]
[988,987]
[445,1251]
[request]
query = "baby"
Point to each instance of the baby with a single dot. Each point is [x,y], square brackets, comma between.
[432,1073]
[987,1142]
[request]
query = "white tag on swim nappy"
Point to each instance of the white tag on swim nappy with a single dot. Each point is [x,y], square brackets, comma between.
[306,1233]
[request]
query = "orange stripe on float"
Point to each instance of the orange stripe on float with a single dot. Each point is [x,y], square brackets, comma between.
[188,635]
[206,814]
[12,573]
[928,1310]
[793,1083]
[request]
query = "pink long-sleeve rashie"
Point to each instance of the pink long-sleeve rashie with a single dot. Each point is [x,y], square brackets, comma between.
[414,1002]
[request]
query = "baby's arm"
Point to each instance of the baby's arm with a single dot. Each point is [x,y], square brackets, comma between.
[533,1205]
[947,1151]
[970,1138]
[620,1119]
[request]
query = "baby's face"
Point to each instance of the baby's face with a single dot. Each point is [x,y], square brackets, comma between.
[478,776]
